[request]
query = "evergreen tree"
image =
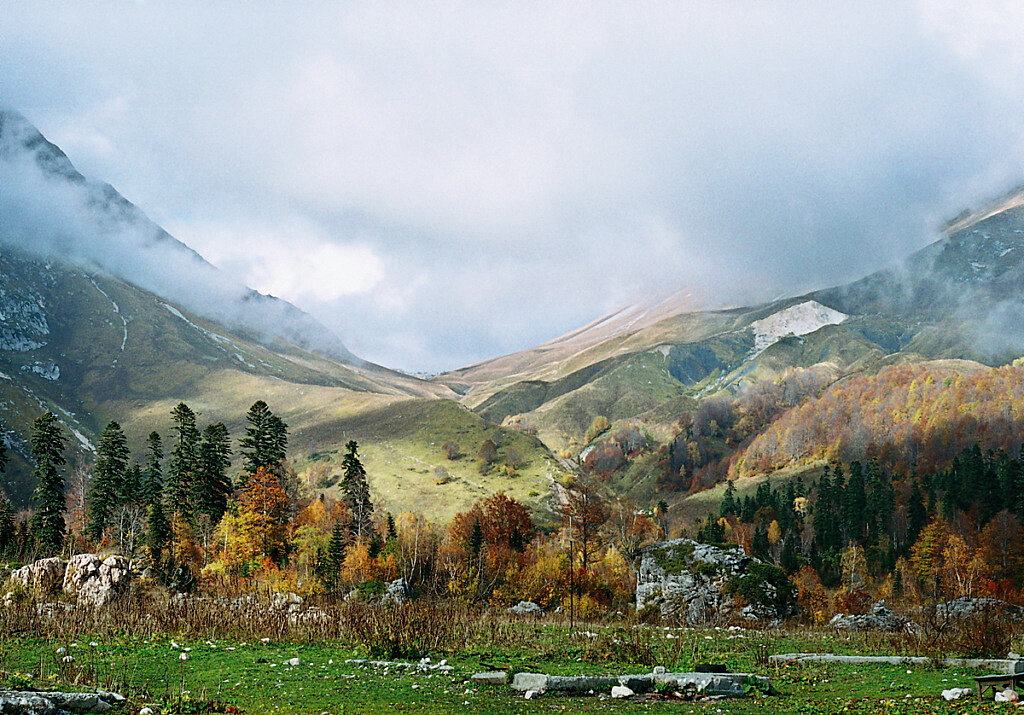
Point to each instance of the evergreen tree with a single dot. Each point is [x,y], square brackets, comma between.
[184,460]
[212,484]
[476,538]
[392,531]
[357,493]
[729,501]
[917,514]
[48,442]
[153,477]
[131,490]
[159,531]
[3,452]
[108,475]
[759,544]
[855,503]
[8,527]
[335,553]
[266,440]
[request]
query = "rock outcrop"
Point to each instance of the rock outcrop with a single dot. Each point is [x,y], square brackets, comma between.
[96,582]
[699,584]
[397,593]
[879,618]
[527,608]
[43,577]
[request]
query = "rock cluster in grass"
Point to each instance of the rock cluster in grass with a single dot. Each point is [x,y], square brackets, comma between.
[879,618]
[56,703]
[700,584]
[965,607]
[87,578]
[397,593]
[527,608]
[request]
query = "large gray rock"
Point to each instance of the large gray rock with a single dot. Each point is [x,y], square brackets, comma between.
[527,608]
[94,581]
[44,576]
[879,618]
[692,582]
[964,607]
[397,593]
[56,703]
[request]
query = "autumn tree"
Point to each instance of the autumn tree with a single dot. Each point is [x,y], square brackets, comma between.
[263,510]
[506,522]
[583,514]
[48,443]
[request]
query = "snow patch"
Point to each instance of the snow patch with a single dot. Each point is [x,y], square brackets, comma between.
[799,319]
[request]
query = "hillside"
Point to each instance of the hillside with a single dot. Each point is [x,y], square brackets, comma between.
[955,299]
[80,337]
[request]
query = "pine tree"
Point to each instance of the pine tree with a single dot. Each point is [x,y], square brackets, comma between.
[357,493]
[212,485]
[108,475]
[131,490]
[3,452]
[476,538]
[48,442]
[153,477]
[184,460]
[266,440]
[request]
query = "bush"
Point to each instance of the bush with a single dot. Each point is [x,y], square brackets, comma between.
[765,585]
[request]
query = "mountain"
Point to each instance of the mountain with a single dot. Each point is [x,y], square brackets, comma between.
[958,298]
[104,315]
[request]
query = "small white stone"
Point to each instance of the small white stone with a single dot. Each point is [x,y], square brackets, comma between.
[68,659]
[146,711]
[184,656]
[264,640]
[659,669]
[621,691]
[294,662]
[1007,696]
[530,695]
[62,650]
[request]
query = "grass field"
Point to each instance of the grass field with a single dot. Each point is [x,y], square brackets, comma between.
[255,677]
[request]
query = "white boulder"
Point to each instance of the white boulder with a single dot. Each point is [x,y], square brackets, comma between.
[96,582]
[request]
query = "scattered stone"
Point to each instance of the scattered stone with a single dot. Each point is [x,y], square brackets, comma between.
[1012,656]
[659,670]
[146,711]
[397,593]
[491,677]
[294,662]
[527,608]
[184,656]
[955,693]
[43,577]
[531,694]
[965,607]
[726,684]
[1007,696]
[621,691]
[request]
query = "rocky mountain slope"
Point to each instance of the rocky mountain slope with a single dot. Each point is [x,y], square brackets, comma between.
[959,298]
[95,334]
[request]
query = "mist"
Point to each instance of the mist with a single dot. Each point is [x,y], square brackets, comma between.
[442,185]
[50,211]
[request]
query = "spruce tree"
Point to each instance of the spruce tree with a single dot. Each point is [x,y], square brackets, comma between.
[3,452]
[159,531]
[476,538]
[335,554]
[184,459]
[357,493]
[212,484]
[153,476]
[48,442]
[108,475]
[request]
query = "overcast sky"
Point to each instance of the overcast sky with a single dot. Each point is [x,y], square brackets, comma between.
[442,183]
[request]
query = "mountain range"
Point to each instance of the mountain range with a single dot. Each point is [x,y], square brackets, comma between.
[103,315]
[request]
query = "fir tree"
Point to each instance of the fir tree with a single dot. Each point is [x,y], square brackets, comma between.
[153,477]
[476,538]
[357,493]
[8,527]
[729,501]
[159,531]
[184,460]
[336,553]
[212,484]
[48,442]
[131,489]
[108,475]
[266,440]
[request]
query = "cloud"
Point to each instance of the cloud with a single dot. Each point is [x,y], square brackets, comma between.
[484,176]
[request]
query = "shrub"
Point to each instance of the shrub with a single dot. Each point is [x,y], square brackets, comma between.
[767,586]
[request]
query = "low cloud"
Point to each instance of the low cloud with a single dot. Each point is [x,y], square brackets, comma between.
[482,177]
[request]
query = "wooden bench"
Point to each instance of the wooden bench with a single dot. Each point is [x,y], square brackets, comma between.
[997,682]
